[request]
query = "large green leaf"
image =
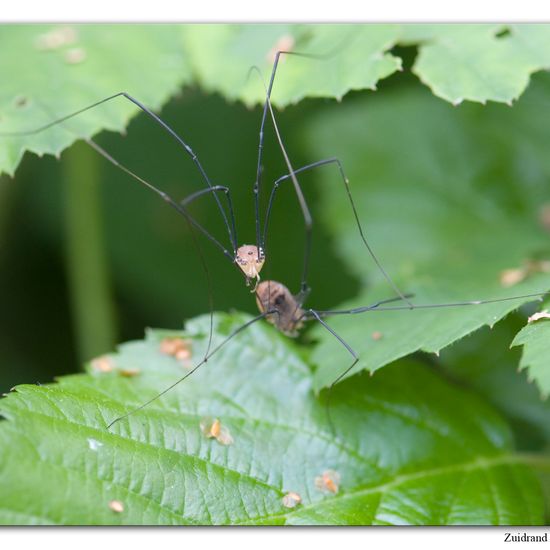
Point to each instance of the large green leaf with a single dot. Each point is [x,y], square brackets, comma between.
[66,70]
[380,337]
[447,207]
[89,63]
[476,63]
[348,57]
[409,448]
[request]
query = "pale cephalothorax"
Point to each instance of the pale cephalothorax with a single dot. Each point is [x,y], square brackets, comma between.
[250,259]
[287,313]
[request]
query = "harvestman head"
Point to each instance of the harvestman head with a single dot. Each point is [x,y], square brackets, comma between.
[275,301]
[250,259]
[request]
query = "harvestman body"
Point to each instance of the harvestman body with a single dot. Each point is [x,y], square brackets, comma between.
[286,312]
[275,301]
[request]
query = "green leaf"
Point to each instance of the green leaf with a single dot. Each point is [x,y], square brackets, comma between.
[425,32]
[151,62]
[472,62]
[381,337]
[535,339]
[534,41]
[409,448]
[485,363]
[446,208]
[349,57]
[89,63]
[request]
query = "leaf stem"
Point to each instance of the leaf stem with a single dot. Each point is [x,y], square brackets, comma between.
[87,271]
[539,461]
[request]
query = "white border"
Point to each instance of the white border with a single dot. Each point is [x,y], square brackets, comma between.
[273,10]
[360,538]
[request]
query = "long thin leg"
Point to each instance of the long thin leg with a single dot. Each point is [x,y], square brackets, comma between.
[275,187]
[315,315]
[257,184]
[318,315]
[267,105]
[190,223]
[152,115]
[227,193]
[195,368]
[345,181]
[179,208]
[374,307]
[308,220]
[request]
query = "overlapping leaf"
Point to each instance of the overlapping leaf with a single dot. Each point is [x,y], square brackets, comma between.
[343,58]
[535,339]
[68,68]
[485,363]
[53,71]
[445,213]
[449,459]
[476,62]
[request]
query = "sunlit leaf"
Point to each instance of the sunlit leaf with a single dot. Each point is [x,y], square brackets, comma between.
[476,63]
[345,57]
[67,68]
[449,459]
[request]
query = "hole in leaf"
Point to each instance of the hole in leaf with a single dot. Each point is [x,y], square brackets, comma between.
[503,33]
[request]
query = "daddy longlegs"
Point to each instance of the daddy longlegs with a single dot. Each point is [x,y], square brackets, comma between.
[276,303]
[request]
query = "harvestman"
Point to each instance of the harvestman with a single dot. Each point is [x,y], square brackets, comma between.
[274,300]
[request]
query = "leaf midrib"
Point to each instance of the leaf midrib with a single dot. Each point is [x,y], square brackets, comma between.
[477,464]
